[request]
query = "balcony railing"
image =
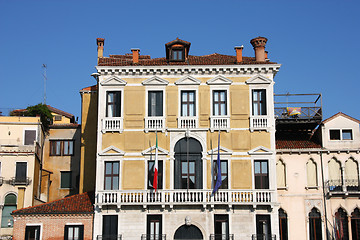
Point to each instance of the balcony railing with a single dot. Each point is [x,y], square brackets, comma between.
[109,237]
[219,123]
[181,196]
[154,123]
[259,122]
[351,186]
[221,236]
[20,181]
[187,122]
[263,237]
[153,237]
[112,124]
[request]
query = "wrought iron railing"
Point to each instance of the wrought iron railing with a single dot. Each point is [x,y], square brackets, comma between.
[263,237]
[20,181]
[153,237]
[109,237]
[221,236]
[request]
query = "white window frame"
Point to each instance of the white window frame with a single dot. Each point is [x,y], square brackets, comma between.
[341,134]
[225,88]
[317,174]
[159,88]
[194,88]
[34,225]
[106,90]
[33,129]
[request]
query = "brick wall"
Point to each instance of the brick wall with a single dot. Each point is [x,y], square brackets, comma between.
[52,226]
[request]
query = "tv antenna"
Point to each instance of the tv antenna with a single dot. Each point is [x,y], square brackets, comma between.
[44,66]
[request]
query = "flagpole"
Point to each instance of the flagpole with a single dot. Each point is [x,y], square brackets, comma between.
[187,157]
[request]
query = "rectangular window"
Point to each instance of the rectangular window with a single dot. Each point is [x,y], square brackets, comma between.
[154,227]
[224,173]
[261,174]
[113,104]
[155,103]
[219,103]
[21,169]
[263,227]
[151,174]
[61,147]
[111,176]
[259,102]
[32,233]
[110,227]
[335,134]
[347,135]
[30,136]
[58,117]
[66,179]
[221,226]
[74,232]
[188,103]
[177,54]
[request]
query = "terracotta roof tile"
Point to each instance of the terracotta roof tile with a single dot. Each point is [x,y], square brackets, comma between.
[79,203]
[212,59]
[65,125]
[60,112]
[90,88]
[296,144]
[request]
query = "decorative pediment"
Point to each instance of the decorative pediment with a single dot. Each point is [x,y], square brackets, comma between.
[113,81]
[112,151]
[258,79]
[155,81]
[223,151]
[151,151]
[260,151]
[219,80]
[188,80]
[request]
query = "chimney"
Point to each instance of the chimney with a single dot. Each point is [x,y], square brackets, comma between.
[266,56]
[259,47]
[238,50]
[135,55]
[100,49]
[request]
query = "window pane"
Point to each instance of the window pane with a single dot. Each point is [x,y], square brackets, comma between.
[264,167]
[184,110]
[347,135]
[108,167]
[30,136]
[184,167]
[334,134]
[58,148]
[107,183]
[116,167]
[257,167]
[192,167]
[21,169]
[223,109]
[66,148]
[65,180]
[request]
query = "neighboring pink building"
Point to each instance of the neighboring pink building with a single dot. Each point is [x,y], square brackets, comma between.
[66,218]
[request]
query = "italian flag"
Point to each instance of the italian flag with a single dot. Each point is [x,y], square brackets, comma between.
[155,182]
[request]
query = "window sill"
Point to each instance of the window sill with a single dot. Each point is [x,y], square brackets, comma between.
[283,188]
[312,187]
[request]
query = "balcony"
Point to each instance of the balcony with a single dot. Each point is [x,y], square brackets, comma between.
[219,123]
[112,124]
[259,123]
[109,237]
[336,187]
[221,236]
[187,122]
[153,237]
[20,181]
[183,197]
[263,237]
[155,124]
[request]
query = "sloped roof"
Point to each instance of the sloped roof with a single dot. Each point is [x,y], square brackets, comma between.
[296,144]
[90,88]
[211,59]
[340,114]
[60,112]
[76,204]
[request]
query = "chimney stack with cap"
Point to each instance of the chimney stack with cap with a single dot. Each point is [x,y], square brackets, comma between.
[259,47]
[238,50]
[135,55]
[100,44]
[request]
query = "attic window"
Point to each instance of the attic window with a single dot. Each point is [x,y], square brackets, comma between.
[177,54]
[57,118]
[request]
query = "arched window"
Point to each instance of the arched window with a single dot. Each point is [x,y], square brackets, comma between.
[315,229]
[281,174]
[9,206]
[341,224]
[188,232]
[335,182]
[351,175]
[188,164]
[283,226]
[311,171]
[355,224]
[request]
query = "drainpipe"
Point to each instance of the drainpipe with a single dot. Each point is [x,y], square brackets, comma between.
[324,196]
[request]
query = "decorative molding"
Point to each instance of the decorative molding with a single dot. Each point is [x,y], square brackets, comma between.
[260,150]
[223,151]
[219,80]
[188,80]
[113,81]
[112,151]
[148,151]
[155,80]
[258,79]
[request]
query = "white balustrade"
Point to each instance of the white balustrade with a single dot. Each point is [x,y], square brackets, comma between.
[259,122]
[181,196]
[187,122]
[112,124]
[219,123]
[154,123]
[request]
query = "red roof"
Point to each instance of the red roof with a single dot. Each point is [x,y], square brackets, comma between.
[90,88]
[60,112]
[212,59]
[340,114]
[65,125]
[296,144]
[79,203]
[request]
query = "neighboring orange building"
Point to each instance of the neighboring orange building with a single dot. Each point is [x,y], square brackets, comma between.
[67,218]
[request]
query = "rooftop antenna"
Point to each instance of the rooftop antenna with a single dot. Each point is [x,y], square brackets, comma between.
[44,66]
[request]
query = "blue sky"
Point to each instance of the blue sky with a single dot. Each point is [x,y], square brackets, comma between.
[317,43]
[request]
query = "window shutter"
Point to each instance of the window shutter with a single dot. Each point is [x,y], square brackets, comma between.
[177,176]
[21,171]
[66,232]
[30,136]
[159,103]
[198,172]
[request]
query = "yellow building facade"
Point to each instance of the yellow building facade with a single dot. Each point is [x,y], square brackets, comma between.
[199,108]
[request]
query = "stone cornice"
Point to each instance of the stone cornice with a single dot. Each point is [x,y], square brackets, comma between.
[188,69]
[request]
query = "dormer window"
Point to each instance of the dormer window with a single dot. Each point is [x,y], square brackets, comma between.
[177,54]
[177,50]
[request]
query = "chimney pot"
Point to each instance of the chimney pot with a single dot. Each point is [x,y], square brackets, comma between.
[238,50]
[100,48]
[259,47]
[135,54]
